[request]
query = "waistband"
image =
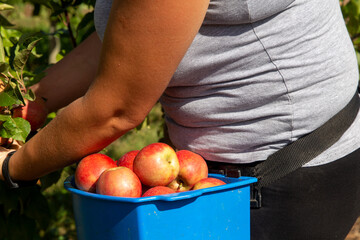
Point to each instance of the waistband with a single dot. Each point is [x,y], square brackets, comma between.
[232,170]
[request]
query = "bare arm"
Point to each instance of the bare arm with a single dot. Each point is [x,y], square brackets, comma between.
[71,77]
[144,42]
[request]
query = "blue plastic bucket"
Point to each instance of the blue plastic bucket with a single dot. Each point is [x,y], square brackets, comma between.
[221,212]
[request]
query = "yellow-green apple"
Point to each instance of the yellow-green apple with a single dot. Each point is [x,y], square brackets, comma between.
[89,170]
[208,182]
[193,168]
[156,164]
[119,182]
[158,190]
[127,160]
[35,112]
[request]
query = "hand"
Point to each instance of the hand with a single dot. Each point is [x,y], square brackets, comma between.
[4,152]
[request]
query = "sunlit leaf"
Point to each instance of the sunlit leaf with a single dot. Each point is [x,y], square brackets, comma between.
[4,6]
[8,99]
[15,128]
[23,128]
[4,117]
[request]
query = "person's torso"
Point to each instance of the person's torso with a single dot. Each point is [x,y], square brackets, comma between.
[258,75]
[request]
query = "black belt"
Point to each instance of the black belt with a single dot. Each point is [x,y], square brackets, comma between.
[294,155]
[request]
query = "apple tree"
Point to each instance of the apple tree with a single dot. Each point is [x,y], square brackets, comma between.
[43,211]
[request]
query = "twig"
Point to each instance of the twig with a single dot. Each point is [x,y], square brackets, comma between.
[72,38]
[68,25]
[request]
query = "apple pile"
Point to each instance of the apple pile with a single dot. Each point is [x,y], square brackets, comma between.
[156,169]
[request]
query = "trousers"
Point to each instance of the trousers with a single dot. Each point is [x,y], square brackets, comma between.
[312,203]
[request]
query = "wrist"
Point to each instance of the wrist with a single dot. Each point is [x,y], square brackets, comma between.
[10,183]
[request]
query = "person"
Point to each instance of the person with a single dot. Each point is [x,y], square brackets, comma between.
[238,80]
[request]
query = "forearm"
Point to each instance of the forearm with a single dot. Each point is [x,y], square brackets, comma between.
[70,78]
[76,132]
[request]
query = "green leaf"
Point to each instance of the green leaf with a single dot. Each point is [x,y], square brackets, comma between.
[4,22]
[30,78]
[26,38]
[86,27]
[144,124]
[4,117]
[56,8]
[13,83]
[9,129]
[4,6]
[2,50]
[30,95]
[15,128]
[86,20]
[4,67]
[50,179]
[22,56]
[18,93]
[23,129]
[8,99]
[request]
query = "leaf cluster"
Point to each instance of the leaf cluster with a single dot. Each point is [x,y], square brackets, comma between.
[37,212]
[13,90]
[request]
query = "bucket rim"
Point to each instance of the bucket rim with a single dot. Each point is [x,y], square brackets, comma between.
[232,183]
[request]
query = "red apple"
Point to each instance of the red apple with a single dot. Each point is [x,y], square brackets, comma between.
[4,142]
[35,112]
[208,182]
[127,160]
[158,190]
[89,170]
[193,168]
[156,165]
[119,182]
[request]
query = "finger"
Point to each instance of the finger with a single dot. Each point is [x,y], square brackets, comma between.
[16,145]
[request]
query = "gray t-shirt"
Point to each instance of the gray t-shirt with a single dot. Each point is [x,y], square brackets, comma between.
[259,75]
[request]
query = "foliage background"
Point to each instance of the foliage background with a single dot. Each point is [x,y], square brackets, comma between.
[45,212]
